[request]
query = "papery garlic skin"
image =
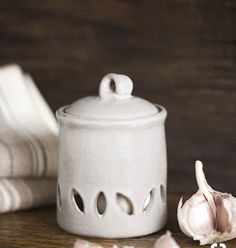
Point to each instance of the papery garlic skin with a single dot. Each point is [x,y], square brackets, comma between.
[166,241]
[125,246]
[194,209]
[208,216]
[80,243]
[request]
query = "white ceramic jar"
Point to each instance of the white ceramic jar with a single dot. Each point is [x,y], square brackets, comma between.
[113,167]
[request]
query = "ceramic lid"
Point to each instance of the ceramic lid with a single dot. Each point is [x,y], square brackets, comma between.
[114,102]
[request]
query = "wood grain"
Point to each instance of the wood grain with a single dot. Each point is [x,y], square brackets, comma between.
[38,229]
[179,53]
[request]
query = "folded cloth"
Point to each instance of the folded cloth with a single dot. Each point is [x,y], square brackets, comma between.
[28,129]
[17,193]
[28,143]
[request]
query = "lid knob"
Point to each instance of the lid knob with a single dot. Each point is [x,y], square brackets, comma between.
[115,85]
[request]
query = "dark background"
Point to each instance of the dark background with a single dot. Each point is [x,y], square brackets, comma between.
[179,53]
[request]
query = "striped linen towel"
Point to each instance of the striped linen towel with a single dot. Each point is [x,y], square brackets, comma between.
[19,193]
[28,143]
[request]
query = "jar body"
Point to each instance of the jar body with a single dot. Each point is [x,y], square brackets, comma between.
[112,178]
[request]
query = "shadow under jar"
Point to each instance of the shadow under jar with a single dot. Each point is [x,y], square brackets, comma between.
[113,166]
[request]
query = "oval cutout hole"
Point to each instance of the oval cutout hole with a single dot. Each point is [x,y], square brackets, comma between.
[112,86]
[78,200]
[125,204]
[162,193]
[149,200]
[58,196]
[101,203]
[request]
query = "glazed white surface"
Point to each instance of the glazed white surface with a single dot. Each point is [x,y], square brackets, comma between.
[115,158]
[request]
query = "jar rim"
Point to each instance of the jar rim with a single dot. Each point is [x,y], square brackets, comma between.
[158,117]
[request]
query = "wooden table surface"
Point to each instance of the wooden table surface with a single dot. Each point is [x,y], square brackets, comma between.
[179,53]
[38,228]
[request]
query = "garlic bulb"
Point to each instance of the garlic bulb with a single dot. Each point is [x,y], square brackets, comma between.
[166,241]
[208,216]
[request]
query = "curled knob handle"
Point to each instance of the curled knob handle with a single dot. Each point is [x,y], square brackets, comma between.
[123,86]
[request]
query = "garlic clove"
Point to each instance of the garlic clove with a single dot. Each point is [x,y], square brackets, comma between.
[223,214]
[208,216]
[80,243]
[166,241]
[125,204]
[195,210]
